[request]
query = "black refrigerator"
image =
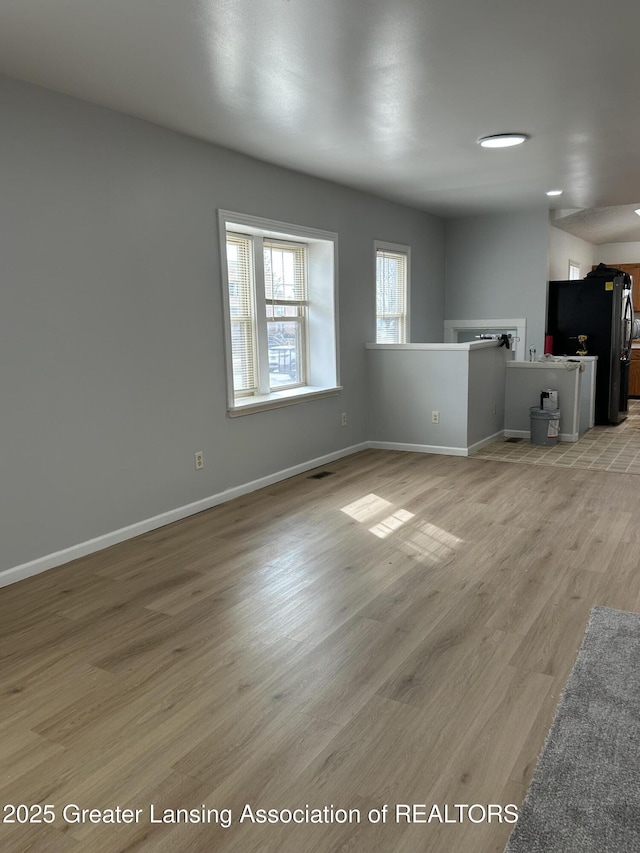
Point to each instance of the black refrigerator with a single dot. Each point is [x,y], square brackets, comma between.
[600,308]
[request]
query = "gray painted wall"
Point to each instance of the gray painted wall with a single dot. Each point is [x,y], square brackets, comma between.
[486,392]
[617,253]
[466,386]
[564,247]
[496,267]
[111,350]
[523,386]
[407,385]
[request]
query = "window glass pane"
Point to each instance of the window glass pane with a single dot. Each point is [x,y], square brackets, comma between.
[285,353]
[391,296]
[574,270]
[285,294]
[284,272]
[390,283]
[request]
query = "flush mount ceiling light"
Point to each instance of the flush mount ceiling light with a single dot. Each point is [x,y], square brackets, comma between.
[502,140]
[554,192]
[637,211]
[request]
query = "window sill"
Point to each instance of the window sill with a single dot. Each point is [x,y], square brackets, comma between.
[278,399]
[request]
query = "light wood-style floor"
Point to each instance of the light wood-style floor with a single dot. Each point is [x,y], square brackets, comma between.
[398,632]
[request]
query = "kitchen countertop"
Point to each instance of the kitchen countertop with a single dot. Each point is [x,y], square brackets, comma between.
[558,362]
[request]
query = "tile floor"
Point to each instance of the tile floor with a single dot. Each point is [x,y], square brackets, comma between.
[605,448]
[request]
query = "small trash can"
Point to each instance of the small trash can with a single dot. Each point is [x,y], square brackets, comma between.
[545,426]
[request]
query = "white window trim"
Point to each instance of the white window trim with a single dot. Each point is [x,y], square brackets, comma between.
[384,246]
[324,360]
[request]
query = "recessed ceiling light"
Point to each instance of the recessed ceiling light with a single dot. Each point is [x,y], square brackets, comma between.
[502,140]
[554,192]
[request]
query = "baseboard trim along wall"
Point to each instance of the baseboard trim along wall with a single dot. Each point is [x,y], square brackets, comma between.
[437,448]
[419,448]
[50,561]
[473,448]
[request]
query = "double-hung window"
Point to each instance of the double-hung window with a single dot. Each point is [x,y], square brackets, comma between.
[392,293]
[280,297]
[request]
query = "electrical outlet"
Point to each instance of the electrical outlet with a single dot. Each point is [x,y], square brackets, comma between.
[199,460]
[435,417]
[344,419]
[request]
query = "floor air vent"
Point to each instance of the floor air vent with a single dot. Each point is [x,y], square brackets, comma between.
[320,475]
[513,440]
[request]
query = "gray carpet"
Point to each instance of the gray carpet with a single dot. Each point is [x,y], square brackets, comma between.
[585,793]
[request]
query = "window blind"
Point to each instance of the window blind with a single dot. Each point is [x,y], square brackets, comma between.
[391,297]
[242,313]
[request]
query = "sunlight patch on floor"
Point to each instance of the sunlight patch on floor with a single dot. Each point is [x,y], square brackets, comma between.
[423,538]
[391,523]
[366,507]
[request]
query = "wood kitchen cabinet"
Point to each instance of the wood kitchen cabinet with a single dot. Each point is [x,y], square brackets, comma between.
[634,272]
[634,373]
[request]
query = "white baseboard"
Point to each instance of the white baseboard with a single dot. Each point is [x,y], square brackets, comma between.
[50,561]
[420,448]
[436,448]
[485,441]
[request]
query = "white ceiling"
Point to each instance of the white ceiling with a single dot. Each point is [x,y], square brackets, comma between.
[385,96]
[620,224]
